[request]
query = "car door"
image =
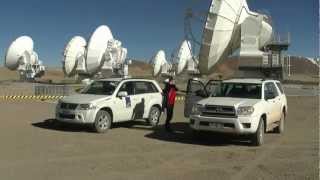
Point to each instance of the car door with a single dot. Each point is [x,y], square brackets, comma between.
[283,97]
[278,101]
[123,106]
[141,100]
[271,103]
[196,91]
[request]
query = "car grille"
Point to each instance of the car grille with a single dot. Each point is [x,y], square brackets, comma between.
[67,116]
[219,111]
[68,106]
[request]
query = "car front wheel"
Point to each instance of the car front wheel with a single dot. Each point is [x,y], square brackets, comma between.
[102,122]
[258,137]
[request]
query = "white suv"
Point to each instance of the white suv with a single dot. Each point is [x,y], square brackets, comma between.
[108,101]
[239,106]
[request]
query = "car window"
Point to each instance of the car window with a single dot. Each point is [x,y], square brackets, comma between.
[239,90]
[213,88]
[128,87]
[271,88]
[152,88]
[101,88]
[144,88]
[195,86]
[280,87]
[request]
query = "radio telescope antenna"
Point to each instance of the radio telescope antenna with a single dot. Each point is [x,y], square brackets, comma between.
[183,56]
[103,56]
[74,51]
[97,46]
[160,65]
[230,25]
[20,56]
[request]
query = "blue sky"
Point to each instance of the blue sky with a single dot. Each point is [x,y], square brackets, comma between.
[144,26]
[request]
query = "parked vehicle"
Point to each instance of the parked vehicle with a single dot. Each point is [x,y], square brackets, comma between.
[109,101]
[238,106]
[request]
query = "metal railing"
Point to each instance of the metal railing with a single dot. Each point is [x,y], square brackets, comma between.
[53,90]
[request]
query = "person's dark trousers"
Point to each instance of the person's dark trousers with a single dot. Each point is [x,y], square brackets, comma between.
[169,117]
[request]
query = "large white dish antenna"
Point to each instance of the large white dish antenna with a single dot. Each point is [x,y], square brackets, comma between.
[97,46]
[74,50]
[20,47]
[222,32]
[158,61]
[184,55]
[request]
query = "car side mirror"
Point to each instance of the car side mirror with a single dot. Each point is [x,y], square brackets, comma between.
[122,94]
[269,96]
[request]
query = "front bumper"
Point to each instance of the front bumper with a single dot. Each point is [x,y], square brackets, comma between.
[239,125]
[75,116]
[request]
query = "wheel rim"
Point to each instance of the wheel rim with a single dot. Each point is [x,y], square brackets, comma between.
[154,116]
[103,122]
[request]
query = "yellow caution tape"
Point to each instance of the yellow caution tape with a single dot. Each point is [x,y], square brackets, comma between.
[30,97]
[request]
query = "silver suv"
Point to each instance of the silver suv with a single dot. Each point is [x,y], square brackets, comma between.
[107,101]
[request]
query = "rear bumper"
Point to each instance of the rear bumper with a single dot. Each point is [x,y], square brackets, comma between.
[239,125]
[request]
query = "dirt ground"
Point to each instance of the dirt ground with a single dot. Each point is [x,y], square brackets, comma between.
[31,148]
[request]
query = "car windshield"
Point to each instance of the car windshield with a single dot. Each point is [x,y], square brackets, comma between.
[101,88]
[238,90]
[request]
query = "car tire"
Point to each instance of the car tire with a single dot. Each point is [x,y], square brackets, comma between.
[102,122]
[280,128]
[154,116]
[257,138]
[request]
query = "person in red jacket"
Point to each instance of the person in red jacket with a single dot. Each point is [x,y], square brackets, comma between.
[171,99]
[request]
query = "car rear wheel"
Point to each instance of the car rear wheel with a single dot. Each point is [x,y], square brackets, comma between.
[154,116]
[102,122]
[257,138]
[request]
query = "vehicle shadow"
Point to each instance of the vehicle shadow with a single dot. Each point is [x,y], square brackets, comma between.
[183,134]
[51,124]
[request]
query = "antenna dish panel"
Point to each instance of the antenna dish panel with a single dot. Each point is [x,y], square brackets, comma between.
[183,56]
[74,50]
[18,48]
[158,61]
[97,46]
[222,32]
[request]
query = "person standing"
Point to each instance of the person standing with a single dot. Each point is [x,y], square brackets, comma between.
[170,101]
[165,91]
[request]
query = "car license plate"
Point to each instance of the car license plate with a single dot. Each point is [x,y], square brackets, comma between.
[216,125]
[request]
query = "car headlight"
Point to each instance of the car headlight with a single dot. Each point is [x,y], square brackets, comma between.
[245,111]
[86,106]
[196,109]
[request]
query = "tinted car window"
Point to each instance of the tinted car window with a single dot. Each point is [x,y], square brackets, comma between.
[101,88]
[271,88]
[152,88]
[144,87]
[195,86]
[239,90]
[128,87]
[280,87]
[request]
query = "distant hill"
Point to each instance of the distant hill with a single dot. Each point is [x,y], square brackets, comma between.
[301,67]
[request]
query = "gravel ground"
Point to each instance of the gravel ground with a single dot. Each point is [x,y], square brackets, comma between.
[31,148]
